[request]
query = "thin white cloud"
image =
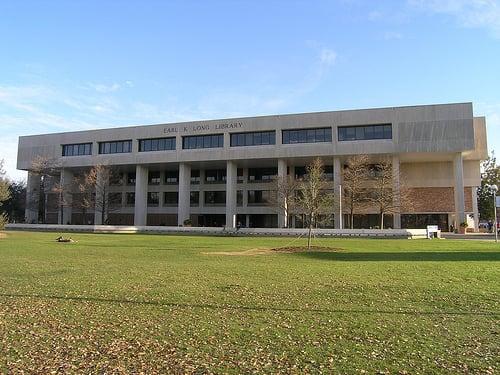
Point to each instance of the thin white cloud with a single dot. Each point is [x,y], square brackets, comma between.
[105,88]
[392,35]
[328,56]
[469,13]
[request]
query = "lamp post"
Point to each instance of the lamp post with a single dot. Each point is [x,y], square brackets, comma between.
[494,189]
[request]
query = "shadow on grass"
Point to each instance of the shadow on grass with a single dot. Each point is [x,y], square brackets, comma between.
[422,256]
[244,308]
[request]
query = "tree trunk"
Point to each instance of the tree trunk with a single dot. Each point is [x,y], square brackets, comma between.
[351,219]
[381,220]
[309,235]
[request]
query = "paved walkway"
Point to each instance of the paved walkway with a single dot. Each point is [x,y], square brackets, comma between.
[470,236]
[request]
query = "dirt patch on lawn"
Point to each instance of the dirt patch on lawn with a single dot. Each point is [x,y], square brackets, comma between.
[267,251]
[249,252]
[2,235]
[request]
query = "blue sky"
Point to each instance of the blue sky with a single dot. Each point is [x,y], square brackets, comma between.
[76,65]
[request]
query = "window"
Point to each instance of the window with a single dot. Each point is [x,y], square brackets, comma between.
[262,174]
[153,199]
[215,197]
[115,147]
[172,177]
[157,144]
[194,198]
[253,139]
[171,198]
[239,176]
[215,176]
[202,141]
[365,132]
[130,199]
[116,179]
[300,173]
[115,199]
[259,197]
[195,176]
[131,178]
[239,198]
[307,135]
[154,178]
[78,149]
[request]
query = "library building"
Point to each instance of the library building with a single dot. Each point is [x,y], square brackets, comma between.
[216,173]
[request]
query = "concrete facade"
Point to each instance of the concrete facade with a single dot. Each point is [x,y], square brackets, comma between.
[433,147]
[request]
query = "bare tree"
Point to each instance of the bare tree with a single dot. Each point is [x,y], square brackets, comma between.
[4,184]
[63,191]
[85,196]
[284,197]
[4,194]
[313,198]
[99,179]
[46,169]
[389,193]
[354,181]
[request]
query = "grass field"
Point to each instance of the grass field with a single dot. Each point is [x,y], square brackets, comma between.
[178,304]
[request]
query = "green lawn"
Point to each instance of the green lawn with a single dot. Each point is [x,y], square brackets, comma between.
[164,304]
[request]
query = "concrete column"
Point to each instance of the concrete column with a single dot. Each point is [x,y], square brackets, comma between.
[32,197]
[282,173]
[458,169]
[337,181]
[141,195]
[65,183]
[183,212]
[231,184]
[475,210]
[396,196]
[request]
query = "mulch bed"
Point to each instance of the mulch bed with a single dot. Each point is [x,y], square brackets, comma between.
[301,249]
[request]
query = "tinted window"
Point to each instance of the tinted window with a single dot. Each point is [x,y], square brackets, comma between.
[365,132]
[79,149]
[115,147]
[307,135]
[202,141]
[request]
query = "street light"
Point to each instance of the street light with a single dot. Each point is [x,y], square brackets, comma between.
[494,189]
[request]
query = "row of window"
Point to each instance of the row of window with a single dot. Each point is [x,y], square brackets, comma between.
[157,144]
[171,198]
[307,135]
[315,135]
[365,132]
[77,149]
[253,139]
[115,147]
[202,141]
[212,176]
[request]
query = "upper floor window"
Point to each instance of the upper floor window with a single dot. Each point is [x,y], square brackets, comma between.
[172,177]
[115,147]
[262,174]
[365,132]
[157,144]
[202,141]
[78,149]
[214,176]
[154,178]
[307,135]
[253,138]
[215,197]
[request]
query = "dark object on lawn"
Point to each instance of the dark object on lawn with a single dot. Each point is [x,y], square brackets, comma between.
[62,239]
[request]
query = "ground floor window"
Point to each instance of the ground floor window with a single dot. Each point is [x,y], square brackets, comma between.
[263,221]
[420,221]
[368,221]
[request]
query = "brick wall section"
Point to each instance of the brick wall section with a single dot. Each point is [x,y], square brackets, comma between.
[437,199]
